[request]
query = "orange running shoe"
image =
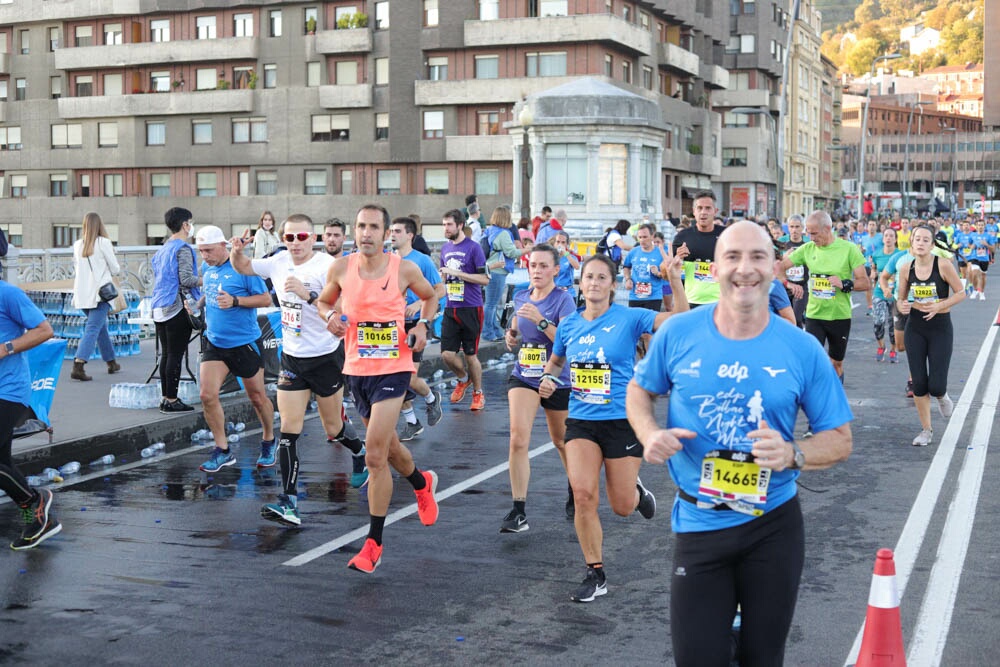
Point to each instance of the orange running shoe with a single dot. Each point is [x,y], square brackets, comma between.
[458,393]
[368,558]
[478,400]
[427,506]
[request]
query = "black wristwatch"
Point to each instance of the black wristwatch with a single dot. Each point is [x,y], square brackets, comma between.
[543,325]
[312,297]
[799,461]
[236,301]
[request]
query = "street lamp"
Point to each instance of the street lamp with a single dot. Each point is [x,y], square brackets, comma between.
[864,127]
[951,176]
[525,118]
[906,156]
[778,163]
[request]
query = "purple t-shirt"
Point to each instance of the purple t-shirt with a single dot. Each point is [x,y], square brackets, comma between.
[536,348]
[466,257]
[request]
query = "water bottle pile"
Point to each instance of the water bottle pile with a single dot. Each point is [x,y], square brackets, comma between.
[233,430]
[69,322]
[134,395]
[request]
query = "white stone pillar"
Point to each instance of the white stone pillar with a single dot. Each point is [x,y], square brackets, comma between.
[634,172]
[593,174]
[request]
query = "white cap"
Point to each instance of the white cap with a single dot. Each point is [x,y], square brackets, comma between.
[210,234]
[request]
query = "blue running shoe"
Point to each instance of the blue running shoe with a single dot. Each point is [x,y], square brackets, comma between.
[284,511]
[267,454]
[219,460]
[359,475]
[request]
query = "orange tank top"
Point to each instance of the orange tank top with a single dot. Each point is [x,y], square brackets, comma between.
[376,313]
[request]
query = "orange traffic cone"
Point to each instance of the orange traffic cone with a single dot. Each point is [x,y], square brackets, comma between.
[882,644]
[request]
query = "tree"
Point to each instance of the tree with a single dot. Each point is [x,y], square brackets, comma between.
[935,17]
[962,41]
[868,11]
[859,58]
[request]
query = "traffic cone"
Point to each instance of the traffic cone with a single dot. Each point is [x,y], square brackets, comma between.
[882,644]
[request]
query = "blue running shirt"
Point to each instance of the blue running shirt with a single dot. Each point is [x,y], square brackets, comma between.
[645,285]
[230,327]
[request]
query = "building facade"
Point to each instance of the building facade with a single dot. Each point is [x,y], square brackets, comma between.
[991,67]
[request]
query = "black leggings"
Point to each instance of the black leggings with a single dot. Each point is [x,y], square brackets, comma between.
[928,352]
[758,565]
[173,336]
[11,480]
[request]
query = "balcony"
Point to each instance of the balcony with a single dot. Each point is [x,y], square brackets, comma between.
[555,30]
[491,91]
[157,104]
[4,63]
[156,53]
[682,61]
[489,148]
[357,96]
[757,98]
[356,40]
[714,76]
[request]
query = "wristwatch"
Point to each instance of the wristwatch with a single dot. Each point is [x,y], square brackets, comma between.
[799,461]
[312,297]
[426,322]
[543,325]
[9,347]
[236,301]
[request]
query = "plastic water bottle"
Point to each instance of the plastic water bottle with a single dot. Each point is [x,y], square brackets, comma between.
[50,474]
[35,480]
[240,427]
[105,460]
[147,452]
[70,468]
[233,437]
[230,428]
[193,306]
[159,446]
[438,374]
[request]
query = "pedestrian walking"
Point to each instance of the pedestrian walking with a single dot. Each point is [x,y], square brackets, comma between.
[94,263]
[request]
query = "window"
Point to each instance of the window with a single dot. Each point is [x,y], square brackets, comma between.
[734,157]
[749,6]
[381,15]
[733,45]
[565,171]
[201,131]
[649,175]
[112,85]
[113,34]
[430,13]
[627,13]
[159,82]
[489,123]
[545,64]
[25,37]
[84,185]
[748,43]
[342,16]
[381,126]
[58,185]
[489,10]
[433,124]
[739,81]
[267,182]
[84,86]
[612,169]
[241,77]
[67,135]
[270,76]
[274,23]
[205,182]
[107,134]
[388,181]
[53,39]
[487,67]
[547,7]
[83,35]
[243,183]
[644,20]
[346,72]
[381,71]
[10,138]
[436,181]
[627,72]
[315,182]
[20,89]
[205,26]
[249,130]
[647,77]
[313,14]
[63,236]
[331,127]
[242,25]
[55,88]
[159,185]
[312,74]
[206,78]
[19,186]
[437,68]
[608,65]
[3,90]
[346,181]
[113,185]
[730,119]
[159,30]
[15,230]
[487,181]
[156,133]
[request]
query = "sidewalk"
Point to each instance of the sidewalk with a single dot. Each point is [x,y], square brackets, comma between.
[85,427]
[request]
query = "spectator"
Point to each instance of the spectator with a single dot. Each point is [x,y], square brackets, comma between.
[95,263]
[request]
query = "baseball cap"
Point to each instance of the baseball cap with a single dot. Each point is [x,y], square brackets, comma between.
[209,234]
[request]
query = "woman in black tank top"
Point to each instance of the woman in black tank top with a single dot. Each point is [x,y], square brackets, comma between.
[932,288]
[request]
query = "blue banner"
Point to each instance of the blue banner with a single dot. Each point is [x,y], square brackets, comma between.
[45,362]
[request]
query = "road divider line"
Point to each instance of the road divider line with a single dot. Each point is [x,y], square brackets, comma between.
[404,512]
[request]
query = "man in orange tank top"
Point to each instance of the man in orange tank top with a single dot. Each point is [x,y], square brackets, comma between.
[370,285]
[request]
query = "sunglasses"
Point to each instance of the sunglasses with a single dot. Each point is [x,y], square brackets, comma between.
[298,236]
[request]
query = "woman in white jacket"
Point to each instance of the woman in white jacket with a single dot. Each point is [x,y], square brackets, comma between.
[95,263]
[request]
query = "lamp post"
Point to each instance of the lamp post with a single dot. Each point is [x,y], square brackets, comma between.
[864,127]
[779,166]
[906,152]
[525,118]
[951,176]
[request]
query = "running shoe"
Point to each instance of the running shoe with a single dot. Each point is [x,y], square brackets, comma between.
[594,585]
[410,431]
[647,501]
[514,522]
[945,406]
[267,458]
[434,412]
[39,522]
[892,357]
[880,354]
[909,388]
[220,459]
[982,296]
[923,439]
[284,511]
[170,407]
[427,506]
[359,470]
[478,400]
[368,558]
[458,393]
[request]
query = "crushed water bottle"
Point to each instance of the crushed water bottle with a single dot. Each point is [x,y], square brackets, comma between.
[159,446]
[233,437]
[147,452]
[438,374]
[240,427]
[70,468]
[230,428]
[105,460]
[50,474]
[35,480]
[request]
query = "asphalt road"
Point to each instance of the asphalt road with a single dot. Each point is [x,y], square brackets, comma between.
[159,563]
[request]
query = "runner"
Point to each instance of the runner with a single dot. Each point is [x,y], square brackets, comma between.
[983,247]
[797,276]
[734,396]
[882,301]
[641,270]
[463,268]
[929,333]
[538,311]
[598,346]
[334,231]
[402,232]
[370,286]
[666,294]
[230,302]
[311,359]
[569,262]
[699,284]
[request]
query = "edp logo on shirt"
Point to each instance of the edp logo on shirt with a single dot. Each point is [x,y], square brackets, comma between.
[734,371]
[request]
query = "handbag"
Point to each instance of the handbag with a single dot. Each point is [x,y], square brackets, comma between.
[108,291]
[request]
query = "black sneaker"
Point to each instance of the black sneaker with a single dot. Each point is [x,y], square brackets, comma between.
[410,431]
[647,501]
[909,388]
[39,523]
[514,522]
[570,506]
[169,407]
[434,411]
[594,585]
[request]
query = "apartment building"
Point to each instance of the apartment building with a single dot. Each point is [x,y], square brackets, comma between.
[229,108]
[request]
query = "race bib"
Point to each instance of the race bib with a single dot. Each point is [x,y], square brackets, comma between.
[590,382]
[796,274]
[733,478]
[820,287]
[968,251]
[291,317]
[924,293]
[531,359]
[456,291]
[643,289]
[378,340]
[703,272]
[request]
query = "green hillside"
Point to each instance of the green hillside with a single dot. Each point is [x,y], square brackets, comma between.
[836,12]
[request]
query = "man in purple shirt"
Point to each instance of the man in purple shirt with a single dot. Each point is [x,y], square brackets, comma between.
[463,269]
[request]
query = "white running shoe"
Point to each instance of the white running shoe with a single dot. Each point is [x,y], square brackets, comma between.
[923,439]
[945,406]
